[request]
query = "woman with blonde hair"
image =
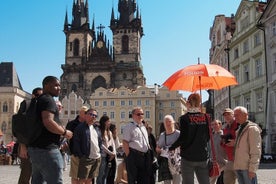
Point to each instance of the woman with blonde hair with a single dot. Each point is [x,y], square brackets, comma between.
[169,136]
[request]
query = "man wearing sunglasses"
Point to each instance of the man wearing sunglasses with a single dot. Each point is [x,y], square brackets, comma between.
[86,148]
[136,147]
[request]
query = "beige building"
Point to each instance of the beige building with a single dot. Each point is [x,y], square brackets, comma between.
[118,103]
[247,61]
[220,35]
[11,96]
[267,23]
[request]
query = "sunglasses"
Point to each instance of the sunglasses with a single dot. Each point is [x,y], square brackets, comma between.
[139,114]
[93,115]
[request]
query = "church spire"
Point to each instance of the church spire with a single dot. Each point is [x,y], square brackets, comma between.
[80,15]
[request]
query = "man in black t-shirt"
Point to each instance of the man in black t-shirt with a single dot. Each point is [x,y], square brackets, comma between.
[46,158]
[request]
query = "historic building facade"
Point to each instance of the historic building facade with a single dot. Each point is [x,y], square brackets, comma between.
[267,24]
[220,36]
[92,62]
[11,95]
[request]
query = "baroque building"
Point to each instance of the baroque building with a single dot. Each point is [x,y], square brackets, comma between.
[267,23]
[91,61]
[11,95]
[220,36]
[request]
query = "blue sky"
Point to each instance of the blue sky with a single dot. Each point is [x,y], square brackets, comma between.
[176,34]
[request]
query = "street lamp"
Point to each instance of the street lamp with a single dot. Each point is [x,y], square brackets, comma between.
[228,37]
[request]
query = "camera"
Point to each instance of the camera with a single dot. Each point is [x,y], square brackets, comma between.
[226,138]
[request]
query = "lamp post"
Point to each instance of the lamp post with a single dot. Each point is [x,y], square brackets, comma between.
[227,50]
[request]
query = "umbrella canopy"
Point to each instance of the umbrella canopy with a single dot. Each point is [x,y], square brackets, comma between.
[200,76]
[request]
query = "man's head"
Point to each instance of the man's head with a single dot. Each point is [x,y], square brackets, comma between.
[37,92]
[51,85]
[82,114]
[240,114]
[137,114]
[228,115]
[91,116]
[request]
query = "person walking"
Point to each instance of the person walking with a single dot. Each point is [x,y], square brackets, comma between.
[44,152]
[193,142]
[86,148]
[248,148]
[228,141]
[136,147]
[25,163]
[166,138]
[71,125]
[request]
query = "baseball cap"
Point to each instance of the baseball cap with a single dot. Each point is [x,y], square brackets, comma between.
[227,110]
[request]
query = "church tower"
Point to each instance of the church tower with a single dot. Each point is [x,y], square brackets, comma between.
[127,33]
[91,62]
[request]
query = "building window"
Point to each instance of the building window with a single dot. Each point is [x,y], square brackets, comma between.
[76,47]
[168,95]
[125,44]
[236,53]
[172,104]
[130,102]
[122,93]
[112,115]
[112,103]
[104,113]
[96,103]
[123,103]
[143,92]
[104,103]
[123,115]
[258,68]
[245,47]
[236,74]
[147,114]
[5,107]
[160,104]
[100,93]
[259,98]
[247,103]
[246,72]
[139,102]
[273,28]
[147,103]
[274,63]
[257,39]
[160,116]
[4,127]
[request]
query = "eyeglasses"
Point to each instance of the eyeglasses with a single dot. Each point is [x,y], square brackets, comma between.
[139,114]
[93,115]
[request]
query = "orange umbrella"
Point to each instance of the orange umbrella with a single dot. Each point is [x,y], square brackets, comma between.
[201,76]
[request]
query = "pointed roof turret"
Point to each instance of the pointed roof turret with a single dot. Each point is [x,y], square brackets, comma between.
[65,27]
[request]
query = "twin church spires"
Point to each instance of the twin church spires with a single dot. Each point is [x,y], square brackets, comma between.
[90,59]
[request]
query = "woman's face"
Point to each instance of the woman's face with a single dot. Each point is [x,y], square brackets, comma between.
[168,124]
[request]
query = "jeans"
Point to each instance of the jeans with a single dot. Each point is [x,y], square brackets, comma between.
[101,179]
[188,168]
[244,179]
[47,165]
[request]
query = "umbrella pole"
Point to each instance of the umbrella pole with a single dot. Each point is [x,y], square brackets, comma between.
[200,93]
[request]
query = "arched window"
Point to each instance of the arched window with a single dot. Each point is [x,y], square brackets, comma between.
[5,107]
[4,127]
[98,82]
[76,47]
[74,88]
[125,43]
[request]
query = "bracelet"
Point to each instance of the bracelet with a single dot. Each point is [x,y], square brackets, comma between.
[64,133]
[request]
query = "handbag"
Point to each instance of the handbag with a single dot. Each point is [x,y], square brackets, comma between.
[212,163]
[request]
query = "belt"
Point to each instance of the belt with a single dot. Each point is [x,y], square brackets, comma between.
[138,152]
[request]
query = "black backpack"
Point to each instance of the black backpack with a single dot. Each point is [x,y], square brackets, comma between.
[26,126]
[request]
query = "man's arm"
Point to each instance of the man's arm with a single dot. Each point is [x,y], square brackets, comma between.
[126,147]
[54,127]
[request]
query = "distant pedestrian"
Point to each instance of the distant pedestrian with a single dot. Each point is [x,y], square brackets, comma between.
[44,152]
[248,147]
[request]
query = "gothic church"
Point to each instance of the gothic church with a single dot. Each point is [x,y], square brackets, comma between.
[91,61]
